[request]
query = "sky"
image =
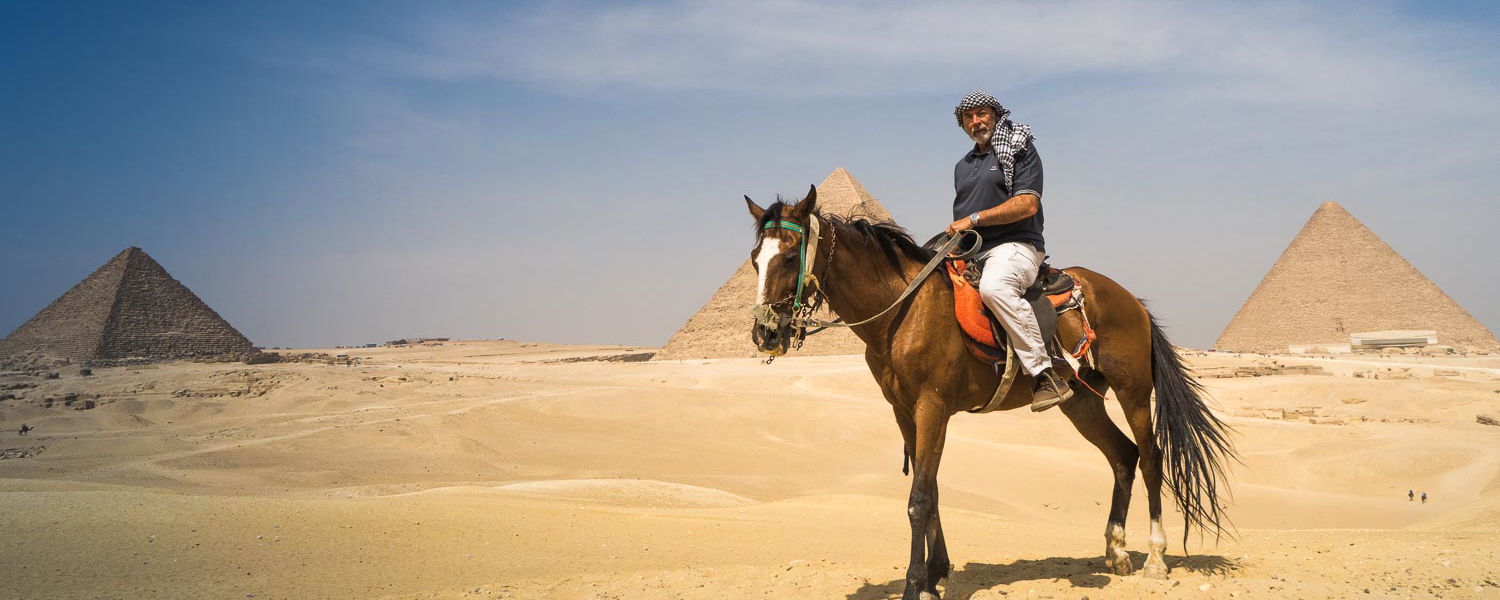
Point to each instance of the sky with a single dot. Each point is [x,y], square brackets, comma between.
[346,173]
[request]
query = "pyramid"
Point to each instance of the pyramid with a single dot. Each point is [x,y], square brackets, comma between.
[722,327]
[128,308]
[1338,278]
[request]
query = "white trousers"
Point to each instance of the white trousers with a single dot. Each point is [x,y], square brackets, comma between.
[1009,269]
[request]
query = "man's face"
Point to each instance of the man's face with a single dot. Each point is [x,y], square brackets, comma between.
[979,123]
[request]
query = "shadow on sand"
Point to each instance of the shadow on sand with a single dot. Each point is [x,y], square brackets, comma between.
[1081,572]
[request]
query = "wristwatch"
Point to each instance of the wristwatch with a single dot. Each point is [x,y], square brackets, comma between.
[974,219]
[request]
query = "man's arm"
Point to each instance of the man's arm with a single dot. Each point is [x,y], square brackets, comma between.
[1019,206]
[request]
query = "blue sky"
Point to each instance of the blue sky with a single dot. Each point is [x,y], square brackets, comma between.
[353,172]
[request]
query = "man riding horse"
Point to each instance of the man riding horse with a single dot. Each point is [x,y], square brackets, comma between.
[998,192]
[918,356]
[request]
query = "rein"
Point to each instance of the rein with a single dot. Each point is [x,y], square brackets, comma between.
[801,317]
[937,259]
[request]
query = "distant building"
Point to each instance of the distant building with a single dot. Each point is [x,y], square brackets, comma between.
[414,340]
[1375,340]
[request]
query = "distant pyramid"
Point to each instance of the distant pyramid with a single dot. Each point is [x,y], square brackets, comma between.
[1337,278]
[722,327]
[128,308]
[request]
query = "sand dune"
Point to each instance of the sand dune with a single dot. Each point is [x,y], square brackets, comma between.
[501,470]
[629,492]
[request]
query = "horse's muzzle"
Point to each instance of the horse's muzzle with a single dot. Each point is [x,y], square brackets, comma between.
[772,331]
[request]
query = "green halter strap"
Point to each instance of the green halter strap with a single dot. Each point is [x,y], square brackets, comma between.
[802,265]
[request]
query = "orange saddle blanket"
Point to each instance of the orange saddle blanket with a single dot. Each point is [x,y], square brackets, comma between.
[974,317]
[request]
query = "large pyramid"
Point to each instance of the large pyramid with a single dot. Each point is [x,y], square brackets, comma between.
[128,308]
[1337,278]
[722,327]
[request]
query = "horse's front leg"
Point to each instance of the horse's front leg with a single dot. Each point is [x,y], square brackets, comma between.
[938,565]
[922,574]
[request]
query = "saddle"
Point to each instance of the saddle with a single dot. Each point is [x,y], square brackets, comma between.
[1054,292]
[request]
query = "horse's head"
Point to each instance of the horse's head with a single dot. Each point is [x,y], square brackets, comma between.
[783,263]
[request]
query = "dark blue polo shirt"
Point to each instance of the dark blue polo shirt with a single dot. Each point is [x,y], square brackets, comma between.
[979,184]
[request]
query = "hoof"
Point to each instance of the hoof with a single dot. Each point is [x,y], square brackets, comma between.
[1119,566]
[1154,572]
[927,596]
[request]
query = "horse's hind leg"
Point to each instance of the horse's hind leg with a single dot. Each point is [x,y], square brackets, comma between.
[1086,411]
[1137,405]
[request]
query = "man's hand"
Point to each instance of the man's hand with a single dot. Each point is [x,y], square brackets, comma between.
[959,225]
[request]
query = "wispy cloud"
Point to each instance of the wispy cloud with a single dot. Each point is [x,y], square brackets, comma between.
[1241,113]
[1352,55]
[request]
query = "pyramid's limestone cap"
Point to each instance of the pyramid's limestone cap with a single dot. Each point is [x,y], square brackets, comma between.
[128,253]
[841,194]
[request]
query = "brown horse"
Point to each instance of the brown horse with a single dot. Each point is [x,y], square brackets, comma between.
[918,357]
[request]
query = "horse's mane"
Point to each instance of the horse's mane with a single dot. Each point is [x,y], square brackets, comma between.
[891,238]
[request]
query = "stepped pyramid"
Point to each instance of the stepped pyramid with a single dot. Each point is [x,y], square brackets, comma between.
[722,327]
[128,308]
[1337,278]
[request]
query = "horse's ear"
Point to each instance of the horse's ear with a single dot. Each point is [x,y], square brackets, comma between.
[808,204]
[755,209]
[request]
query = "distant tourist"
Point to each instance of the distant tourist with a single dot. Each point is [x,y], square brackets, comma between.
[1424,497]
[25,429]
[1410,495]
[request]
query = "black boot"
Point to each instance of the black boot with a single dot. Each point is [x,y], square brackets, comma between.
[1050,391]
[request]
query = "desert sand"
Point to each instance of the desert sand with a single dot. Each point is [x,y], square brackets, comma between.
[499,469]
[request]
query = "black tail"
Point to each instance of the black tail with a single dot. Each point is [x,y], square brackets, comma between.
[1194,443]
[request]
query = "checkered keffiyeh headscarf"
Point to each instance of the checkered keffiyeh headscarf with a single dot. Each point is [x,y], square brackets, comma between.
[1009,138]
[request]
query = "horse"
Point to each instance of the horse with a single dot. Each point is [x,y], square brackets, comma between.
[917,355]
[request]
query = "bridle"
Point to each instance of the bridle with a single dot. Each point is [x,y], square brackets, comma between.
[804,302]
[800,317]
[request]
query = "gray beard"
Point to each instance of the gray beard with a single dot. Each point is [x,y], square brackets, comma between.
[982,138]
